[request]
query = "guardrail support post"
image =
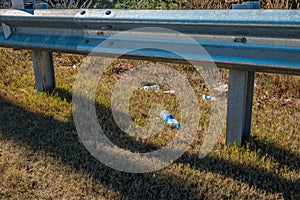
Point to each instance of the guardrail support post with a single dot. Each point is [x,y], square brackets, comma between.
[239,107]
[240,97]
[43,70]
[42,61]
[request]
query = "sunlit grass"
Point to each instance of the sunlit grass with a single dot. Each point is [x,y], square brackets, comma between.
[42,157]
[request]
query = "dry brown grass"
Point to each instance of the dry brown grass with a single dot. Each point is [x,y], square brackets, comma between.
[201,4]
[223,4]
[41,156]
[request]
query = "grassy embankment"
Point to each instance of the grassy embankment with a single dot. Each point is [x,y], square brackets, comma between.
[41,156]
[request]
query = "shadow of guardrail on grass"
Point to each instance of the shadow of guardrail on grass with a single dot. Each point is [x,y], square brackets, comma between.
[60,140]
[253,176]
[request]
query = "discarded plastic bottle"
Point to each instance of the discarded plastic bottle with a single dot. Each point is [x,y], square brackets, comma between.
[209,98]
[169,119]
[169,92]
[151,87]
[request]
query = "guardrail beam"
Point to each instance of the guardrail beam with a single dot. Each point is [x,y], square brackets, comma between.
[245,41]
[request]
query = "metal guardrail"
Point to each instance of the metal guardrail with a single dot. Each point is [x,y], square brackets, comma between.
[265,40]
[244,41]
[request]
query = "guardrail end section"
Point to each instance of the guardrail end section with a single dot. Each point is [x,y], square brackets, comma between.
[43,70]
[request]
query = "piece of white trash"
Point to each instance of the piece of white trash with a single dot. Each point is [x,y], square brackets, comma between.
[208,98]
[169,92]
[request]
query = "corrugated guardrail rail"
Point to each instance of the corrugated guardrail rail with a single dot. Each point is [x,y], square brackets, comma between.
[244,41]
